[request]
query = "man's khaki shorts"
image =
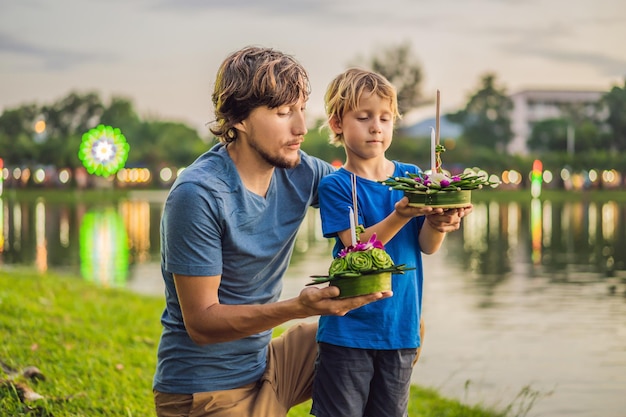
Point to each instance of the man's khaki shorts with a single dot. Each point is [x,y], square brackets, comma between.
[287,381]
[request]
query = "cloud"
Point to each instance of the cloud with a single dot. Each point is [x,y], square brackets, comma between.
[266,7]
[45,58]
[542,43]
[546,42]
[327,12]
[604,64]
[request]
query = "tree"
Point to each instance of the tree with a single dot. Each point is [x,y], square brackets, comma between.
[16,135]
[486,119]
[121,114]
[74,114]
[403,70]
[316,143]
[586,136]
[615,102]
[66,121]
[158,143]
[549,135]
[153,143]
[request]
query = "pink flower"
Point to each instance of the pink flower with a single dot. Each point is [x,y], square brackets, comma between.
[361,247]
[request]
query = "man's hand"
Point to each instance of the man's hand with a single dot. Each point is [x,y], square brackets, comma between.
[322,301]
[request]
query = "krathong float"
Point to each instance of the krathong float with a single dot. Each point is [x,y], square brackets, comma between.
[438,188]
[362,267]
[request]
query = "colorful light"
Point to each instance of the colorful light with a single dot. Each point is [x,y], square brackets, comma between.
[536,178]
[536,230]
[104,150]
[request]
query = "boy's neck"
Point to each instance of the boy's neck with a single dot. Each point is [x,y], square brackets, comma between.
[374,170]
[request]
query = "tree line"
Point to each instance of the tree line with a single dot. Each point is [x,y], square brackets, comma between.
[485,123]
[51,134]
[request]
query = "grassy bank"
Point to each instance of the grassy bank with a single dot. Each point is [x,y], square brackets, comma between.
[95,349]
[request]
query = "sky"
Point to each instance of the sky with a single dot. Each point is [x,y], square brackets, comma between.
[163,54]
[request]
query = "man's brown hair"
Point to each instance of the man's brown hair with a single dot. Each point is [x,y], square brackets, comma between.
[253,77]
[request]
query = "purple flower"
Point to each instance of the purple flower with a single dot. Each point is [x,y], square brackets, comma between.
[444,183]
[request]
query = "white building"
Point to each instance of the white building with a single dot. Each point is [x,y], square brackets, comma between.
[532,106]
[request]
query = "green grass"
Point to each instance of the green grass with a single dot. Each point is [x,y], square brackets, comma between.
[96,348]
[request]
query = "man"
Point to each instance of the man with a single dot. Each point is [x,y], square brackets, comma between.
[227,234]
[228,230]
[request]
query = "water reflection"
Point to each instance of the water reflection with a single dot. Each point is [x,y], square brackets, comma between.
[41,257]
[100,241]
[573,240]
[566,241]
[103,247]
[136,216]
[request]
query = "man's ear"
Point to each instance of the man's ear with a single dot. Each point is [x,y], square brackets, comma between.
[335,125]
[240,126]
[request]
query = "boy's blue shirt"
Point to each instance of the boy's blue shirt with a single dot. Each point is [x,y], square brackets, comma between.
[392,323]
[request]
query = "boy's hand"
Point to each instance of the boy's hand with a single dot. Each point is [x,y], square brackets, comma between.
[404,210]
[449,220]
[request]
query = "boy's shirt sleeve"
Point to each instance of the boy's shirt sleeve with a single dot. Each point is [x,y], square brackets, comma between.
[335,203]
[320,169]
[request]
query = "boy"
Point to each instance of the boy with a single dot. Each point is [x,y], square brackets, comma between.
[366,357]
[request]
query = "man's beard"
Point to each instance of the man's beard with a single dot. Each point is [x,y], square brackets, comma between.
[275,161]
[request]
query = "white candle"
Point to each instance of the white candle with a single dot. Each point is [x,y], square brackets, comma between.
[433,147]
[352,227]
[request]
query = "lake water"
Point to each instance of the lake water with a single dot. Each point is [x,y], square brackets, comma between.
[526,305]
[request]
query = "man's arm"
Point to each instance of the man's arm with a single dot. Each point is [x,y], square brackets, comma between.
[208,321]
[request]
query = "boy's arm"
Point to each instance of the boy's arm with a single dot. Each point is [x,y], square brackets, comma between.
[438,223]
[387,228]
[430,238]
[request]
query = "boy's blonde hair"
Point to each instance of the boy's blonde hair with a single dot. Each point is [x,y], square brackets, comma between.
[345,91]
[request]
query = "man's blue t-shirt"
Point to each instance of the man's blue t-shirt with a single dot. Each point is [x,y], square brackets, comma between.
[392,323]
[212,225]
